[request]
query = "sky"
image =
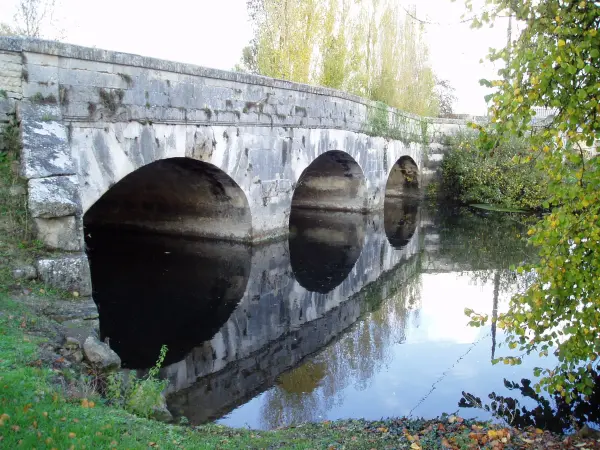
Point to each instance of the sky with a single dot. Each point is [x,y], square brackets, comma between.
[212,33]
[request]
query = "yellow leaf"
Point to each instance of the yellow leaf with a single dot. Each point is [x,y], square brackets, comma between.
[415,446]
[561,43]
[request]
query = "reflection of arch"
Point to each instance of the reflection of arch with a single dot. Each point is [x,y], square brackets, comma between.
[324,246]
[400,217]
[333,181]
[176,196]
[403,179]
[153,290]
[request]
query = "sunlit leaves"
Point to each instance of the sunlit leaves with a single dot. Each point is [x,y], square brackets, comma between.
[555,64]
[368,48]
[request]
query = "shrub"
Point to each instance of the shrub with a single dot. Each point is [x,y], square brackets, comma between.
[141,396]
[499,176]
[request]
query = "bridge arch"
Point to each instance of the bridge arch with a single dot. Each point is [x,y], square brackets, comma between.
[176,195]
[403,179]
[332,181]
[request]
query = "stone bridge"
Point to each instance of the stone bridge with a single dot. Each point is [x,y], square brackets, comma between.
[112,139]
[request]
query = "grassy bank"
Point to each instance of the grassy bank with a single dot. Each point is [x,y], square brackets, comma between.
[46,404]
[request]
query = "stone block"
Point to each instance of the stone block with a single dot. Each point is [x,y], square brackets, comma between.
[25,273]
[11,57]
[44,74]
[62,233]
[79,110]
[10,83]
[89,78]
[54,197]
[81,308]
[71,273]
[41,59]
[7,108]
[11,68]
[100,354]
[45,150]
[82,64]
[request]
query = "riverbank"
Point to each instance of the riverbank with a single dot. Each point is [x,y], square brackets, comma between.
[47,402]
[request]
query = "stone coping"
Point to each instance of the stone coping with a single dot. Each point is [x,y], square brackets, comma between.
[23,44]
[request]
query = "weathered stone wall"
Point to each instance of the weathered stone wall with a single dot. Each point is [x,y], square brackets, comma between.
[91,117]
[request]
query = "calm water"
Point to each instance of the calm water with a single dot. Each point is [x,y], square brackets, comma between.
[352,316]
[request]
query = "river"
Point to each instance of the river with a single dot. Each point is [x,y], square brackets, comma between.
[351,316]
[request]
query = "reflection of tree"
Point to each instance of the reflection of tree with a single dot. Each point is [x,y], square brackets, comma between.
[308,391]
[552,414]
[486,245]
[483,241]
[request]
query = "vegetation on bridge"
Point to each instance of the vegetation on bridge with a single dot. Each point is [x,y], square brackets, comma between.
[555,63]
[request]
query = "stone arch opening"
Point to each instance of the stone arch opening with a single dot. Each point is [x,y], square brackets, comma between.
[166,258]
[333,181]
[403,179]
[180,196]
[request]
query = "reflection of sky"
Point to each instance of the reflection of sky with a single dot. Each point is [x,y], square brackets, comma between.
[440,351]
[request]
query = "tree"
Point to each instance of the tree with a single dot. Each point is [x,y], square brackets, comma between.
[555,63]
[445,94]
[285,34]
[248,62]
[333,47]
[363,46]
[33,18]
[7,30]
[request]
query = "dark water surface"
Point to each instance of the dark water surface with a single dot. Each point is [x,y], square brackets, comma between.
[352,316]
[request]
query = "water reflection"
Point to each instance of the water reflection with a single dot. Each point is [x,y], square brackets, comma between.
[400,220]
[351,317]
[324,246]
[153,290]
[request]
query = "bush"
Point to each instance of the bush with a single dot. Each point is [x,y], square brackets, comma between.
[499,176]
[142,396]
